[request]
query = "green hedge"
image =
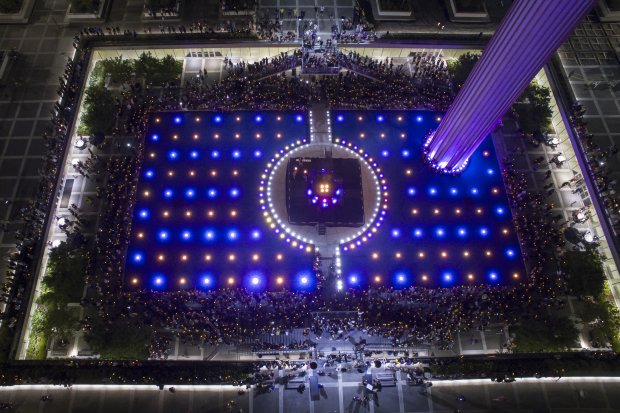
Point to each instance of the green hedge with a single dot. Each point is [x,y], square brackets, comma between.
[37,342]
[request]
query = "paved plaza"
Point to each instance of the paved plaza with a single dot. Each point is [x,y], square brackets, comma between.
[565,395]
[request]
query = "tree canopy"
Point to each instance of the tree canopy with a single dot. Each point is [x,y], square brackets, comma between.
[158,71]
[99,111]
[462,67]
[534,109]
[545,334]
[121,339]
[64,279]
[585,275]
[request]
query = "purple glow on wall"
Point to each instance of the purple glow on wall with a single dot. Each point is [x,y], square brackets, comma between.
[529,34]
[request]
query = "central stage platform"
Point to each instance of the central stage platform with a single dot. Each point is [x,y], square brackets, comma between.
[324,191]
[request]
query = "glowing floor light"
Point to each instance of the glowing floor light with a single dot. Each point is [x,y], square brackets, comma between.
[209,235]
[217,119]
[232,235]
[258,118]
[340,118]
[234,192]
[154,137]
[177,119]
[163,235]
[419,118]
[158,280]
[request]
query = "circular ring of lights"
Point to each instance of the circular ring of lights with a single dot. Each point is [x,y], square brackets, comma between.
[276,223]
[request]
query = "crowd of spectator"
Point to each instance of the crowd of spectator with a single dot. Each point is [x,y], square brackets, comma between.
[406,317]
[599,164]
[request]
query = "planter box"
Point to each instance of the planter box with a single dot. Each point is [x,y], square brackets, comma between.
[381,14]
[21,17]
[231,13]
[607,13]
[175,17]
[98,17]
[460,16]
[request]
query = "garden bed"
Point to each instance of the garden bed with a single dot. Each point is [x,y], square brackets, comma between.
[156,10]
[83,15]
[467,11]
[392,10]
[16,11]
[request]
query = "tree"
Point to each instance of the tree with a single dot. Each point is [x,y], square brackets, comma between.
[121,339]
[100,111]
[64,279]
[462,67]
[158,71]
[585,275]
[119,69]
[545,334]
[534,109]
[60,321]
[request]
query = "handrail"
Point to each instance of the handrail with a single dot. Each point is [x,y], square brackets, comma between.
[563,93]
